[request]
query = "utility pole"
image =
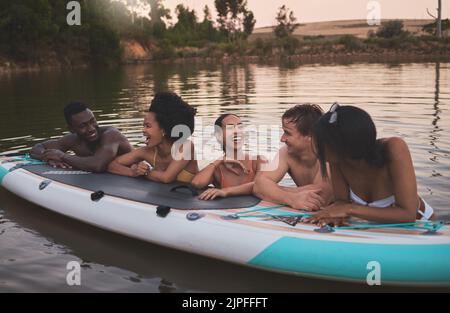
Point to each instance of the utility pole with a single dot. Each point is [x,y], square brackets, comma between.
[439,20]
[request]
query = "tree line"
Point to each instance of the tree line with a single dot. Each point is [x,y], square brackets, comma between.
[32,30]
[28,27]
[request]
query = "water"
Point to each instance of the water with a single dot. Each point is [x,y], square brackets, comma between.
[407,100]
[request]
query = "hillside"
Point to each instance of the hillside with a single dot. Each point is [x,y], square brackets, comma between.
[358,28]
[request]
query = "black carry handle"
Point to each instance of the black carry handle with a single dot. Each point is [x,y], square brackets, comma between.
[188,187]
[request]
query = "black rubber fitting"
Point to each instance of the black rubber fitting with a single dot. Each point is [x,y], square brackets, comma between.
[96,196]
[162,211]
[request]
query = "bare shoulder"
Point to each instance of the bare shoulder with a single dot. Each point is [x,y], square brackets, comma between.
[69,140]
[260,160]
[187,144]
[287,158]
[395,147]
[147,153]
[278,165]
[283,158]
[283,151]
[283,155]
[109,132]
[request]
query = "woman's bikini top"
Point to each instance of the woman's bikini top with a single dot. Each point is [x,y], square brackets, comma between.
[184,176]
[389,201]
[383,203]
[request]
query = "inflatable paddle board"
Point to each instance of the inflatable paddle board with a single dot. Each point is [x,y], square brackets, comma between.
[241,230]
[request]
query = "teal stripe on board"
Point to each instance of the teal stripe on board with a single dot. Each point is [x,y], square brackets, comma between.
[3,173]
[346,260]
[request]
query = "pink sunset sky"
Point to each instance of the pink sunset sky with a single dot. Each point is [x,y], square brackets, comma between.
[326,10]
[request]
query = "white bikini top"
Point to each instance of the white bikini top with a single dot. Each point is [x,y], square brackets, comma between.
[383,203]
[387,202]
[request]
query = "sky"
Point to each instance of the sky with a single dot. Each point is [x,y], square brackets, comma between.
[326,10]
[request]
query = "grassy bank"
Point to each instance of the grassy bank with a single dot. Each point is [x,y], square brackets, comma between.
[307,49]
[112,51]
[317,46]
[36,35]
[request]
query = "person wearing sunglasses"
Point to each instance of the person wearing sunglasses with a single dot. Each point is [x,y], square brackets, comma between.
[373,178]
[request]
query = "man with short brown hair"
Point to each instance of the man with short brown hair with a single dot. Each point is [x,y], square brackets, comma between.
[297,158]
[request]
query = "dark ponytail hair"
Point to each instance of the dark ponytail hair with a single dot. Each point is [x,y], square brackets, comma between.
[218,127]
[219,120]
[351,134]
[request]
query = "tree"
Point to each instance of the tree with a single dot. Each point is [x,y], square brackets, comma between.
[122,15]
[29,29]
[187,19]
[184,32]
[438,19]
[431,28]
[132,5]
[206,28]
[207,14]
[249,23]
[234,18]
[391,29]
[158,11]
[286,22]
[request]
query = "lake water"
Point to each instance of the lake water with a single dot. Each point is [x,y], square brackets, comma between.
[408,100]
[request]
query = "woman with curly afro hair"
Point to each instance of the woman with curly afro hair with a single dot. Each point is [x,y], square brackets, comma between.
[168,155]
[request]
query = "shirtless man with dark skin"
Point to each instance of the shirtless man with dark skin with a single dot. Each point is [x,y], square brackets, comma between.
[94,146]
[297,159]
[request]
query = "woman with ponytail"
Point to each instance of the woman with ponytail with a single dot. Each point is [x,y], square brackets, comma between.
[233,174]
[373,179]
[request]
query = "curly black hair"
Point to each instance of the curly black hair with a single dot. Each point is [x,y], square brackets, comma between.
[73,108]
[171,111]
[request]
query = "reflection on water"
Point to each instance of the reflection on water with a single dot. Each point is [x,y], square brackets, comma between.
[407,100]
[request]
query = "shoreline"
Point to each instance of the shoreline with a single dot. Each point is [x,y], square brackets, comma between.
[326,42]
[326,58]
[10,68]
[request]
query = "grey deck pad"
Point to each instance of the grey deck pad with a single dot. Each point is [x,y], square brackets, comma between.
[139,189]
